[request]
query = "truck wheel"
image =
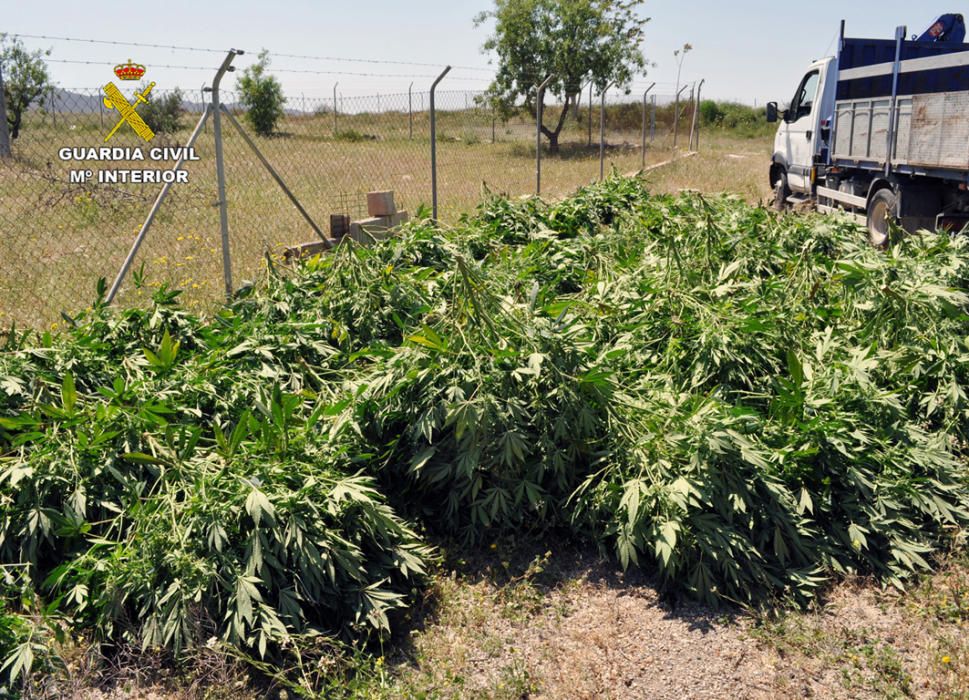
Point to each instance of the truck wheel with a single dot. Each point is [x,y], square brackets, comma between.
[781,193]
[881,212]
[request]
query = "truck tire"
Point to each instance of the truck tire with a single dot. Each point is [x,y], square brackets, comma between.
[781,192]
[882,211]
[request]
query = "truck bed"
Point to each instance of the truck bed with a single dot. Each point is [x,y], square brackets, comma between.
[932,106]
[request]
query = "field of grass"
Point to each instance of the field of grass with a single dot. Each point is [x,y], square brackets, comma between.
[59,238]
[346,481]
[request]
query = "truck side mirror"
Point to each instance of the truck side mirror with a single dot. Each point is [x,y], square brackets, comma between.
[771,112]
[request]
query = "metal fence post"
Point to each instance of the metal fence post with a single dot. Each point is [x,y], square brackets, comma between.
[676,114]
[892,118]
[695,128]
[539,110]
[652,121]
[334,106]
[602,131]
[446,70]
[220,170]
[644,122]
[5,151]
[205,128]
[410,111]
[691,103]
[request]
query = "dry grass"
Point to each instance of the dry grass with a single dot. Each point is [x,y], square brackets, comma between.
[723,164]
[871,643]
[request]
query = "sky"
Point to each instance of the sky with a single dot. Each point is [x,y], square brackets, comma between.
[749,51]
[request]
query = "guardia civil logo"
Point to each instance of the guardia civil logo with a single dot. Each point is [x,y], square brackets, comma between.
[129,111]
[127,156]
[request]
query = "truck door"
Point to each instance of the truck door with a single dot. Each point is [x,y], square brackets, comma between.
[798,133]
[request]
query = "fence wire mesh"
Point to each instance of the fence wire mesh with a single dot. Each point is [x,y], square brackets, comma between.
[60,235]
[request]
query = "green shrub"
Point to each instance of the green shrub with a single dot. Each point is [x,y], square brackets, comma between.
[163,113]
[353,136]
[798,410]
[14,632]
[262,96]
[711,113]
[159,510]
[736,118]
[26,633]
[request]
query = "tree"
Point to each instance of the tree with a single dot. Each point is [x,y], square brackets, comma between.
[574,41]
[262,96]
[25,79]
[163,113]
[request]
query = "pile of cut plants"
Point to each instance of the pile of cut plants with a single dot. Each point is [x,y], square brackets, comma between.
[746,404]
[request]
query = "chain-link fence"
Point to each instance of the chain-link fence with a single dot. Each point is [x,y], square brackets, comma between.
[69,217]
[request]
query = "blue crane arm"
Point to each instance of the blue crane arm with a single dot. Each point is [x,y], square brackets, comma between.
[949,28]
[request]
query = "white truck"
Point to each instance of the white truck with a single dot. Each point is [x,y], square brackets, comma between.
[881,131]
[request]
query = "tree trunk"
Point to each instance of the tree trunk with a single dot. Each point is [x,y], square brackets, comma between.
[18,116]
[4,132]
[553,141]
[553,136]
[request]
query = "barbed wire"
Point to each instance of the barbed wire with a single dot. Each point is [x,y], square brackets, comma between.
[117,43]
[308,57]
[174,47]
[377,61]
[403,76]
[110,63]
[373,75]
[390,96]
[373,61]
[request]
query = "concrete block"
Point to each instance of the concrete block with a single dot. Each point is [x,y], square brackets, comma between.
[304,250]
[339,225]
[376,228]
[381,203]
[367,231]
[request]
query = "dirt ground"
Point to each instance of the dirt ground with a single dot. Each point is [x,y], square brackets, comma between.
[512,623]
[573,626]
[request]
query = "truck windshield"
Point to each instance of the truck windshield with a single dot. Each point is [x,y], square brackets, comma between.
[804,99]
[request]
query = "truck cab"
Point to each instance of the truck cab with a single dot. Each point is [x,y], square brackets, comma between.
[803,131]
[879,132]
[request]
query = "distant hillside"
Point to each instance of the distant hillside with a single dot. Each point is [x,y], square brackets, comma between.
[64,100]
